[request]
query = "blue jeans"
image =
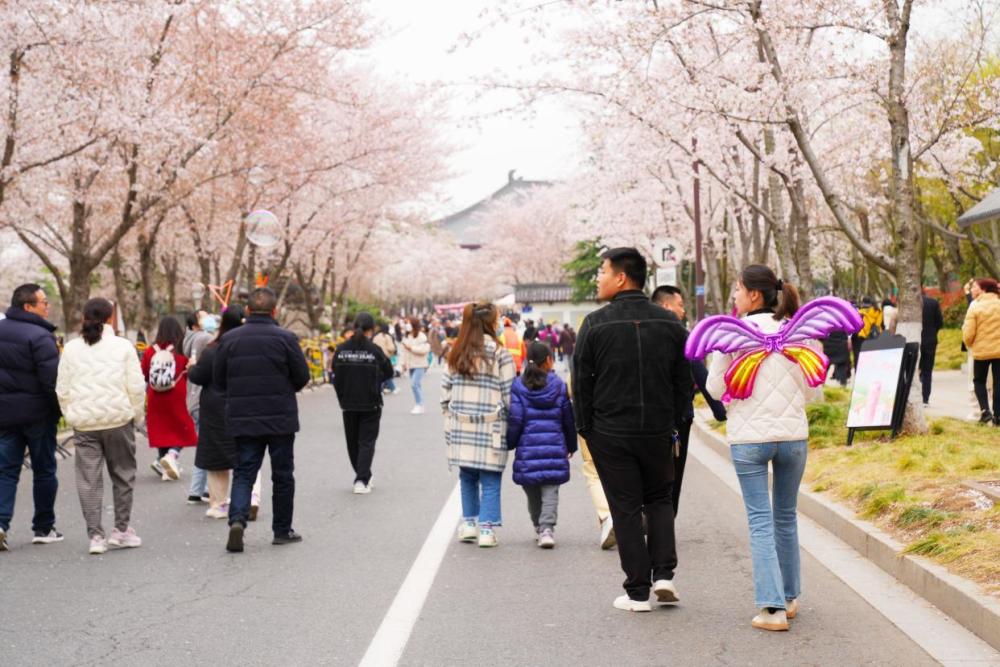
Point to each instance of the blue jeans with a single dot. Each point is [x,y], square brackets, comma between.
[250,453]
[199,477]
[416,377]
[774,529]
[389,384]
[485,508]
[40,440]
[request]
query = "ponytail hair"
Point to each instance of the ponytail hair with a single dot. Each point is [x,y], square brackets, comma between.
[778,295]
[533,376]
[95,313]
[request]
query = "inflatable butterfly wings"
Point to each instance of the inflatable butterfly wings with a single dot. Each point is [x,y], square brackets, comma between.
[729,335]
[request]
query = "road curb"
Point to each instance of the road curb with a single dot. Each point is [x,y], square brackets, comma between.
[959,598]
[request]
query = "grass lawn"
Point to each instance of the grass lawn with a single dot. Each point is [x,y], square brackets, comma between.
[949,350]
[912,487]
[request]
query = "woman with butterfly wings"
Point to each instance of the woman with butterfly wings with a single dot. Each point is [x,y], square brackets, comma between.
[767,365]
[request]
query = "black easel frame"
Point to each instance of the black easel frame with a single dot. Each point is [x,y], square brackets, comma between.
[911,351]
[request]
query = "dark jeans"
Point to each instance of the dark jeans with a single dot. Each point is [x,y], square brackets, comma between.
[636,473]
[927,354]
[361,431]
[250,456]
[980,369]
[680,460]
[40,440]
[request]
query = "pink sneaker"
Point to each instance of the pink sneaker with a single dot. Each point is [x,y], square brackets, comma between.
[98,545]
[124,539]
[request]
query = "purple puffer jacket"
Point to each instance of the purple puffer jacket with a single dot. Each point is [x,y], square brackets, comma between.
[540,426]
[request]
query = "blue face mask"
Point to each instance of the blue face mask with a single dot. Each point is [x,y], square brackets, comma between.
[209,324]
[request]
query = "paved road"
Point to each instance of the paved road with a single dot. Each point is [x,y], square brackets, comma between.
[182,598]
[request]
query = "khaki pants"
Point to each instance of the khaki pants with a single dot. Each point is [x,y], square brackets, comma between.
[593,482]
[114,447]
[218,488]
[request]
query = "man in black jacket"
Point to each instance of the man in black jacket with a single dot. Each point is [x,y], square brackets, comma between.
[932,323]
[671,299]
[631,387]
[359,369]
[260,366]
[29,410]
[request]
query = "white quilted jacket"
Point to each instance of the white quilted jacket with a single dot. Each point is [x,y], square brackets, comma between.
[776,411]
[100,386]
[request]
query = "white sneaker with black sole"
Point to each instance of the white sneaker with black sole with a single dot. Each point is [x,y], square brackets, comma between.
[49,537]
[360,488]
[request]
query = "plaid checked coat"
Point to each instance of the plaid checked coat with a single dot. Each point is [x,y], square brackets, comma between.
[475,412]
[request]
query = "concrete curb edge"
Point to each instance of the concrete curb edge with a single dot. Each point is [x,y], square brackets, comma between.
[955,596]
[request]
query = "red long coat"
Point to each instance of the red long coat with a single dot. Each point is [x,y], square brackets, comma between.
[168,423]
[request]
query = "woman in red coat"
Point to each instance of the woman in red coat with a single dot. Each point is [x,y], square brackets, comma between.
[168,424]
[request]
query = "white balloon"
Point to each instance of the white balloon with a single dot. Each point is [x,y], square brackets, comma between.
[263,229]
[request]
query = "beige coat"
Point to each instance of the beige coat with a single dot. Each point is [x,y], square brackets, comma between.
[981,329]
[415,350]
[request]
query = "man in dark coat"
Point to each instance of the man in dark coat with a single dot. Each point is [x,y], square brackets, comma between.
[671,299]
[932,323]
[29,410]
[631,388]
[260,366]
[359,369]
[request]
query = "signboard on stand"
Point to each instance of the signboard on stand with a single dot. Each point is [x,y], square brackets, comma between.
[881,385]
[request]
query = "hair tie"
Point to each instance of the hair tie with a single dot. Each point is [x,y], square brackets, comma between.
[780,285]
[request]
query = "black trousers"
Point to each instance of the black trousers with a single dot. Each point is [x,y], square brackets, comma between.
[637,475]
[980,369]
[927,354]
[680,460]
[361,430]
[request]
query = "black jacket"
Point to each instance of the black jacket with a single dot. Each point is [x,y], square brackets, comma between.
[631,377]
[359,369]
[216,450]
[260,366]
[29,360]
[932,321]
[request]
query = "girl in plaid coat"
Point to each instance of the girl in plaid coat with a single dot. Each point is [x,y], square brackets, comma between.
[475,399]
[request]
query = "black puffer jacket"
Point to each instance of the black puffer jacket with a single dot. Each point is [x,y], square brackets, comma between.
[216,450]
[29,361]
[260,366]
[631,376]
[359,369]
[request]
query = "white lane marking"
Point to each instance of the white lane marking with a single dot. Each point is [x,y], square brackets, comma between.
[390,639]
[942,638]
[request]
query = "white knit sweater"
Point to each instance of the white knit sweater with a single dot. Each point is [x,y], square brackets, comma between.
[776,411]
[100,386]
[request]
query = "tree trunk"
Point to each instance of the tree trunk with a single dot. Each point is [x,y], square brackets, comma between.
[902,195]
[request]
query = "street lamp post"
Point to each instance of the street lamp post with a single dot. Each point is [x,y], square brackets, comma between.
[699,273]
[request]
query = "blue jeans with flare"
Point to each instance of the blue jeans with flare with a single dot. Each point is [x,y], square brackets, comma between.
[774,528]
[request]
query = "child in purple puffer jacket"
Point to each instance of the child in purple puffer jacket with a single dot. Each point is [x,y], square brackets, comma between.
[540,428]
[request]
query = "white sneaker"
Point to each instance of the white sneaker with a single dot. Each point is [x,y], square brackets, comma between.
[98,545]
[608,540]
[220,512]
[791,609]
[468,532]
[665,591]
[360,488]
[164,477]
[625,603]
[170,467]
[487,538]
[417,410]
[546,540]
[776,622]
[395,391]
